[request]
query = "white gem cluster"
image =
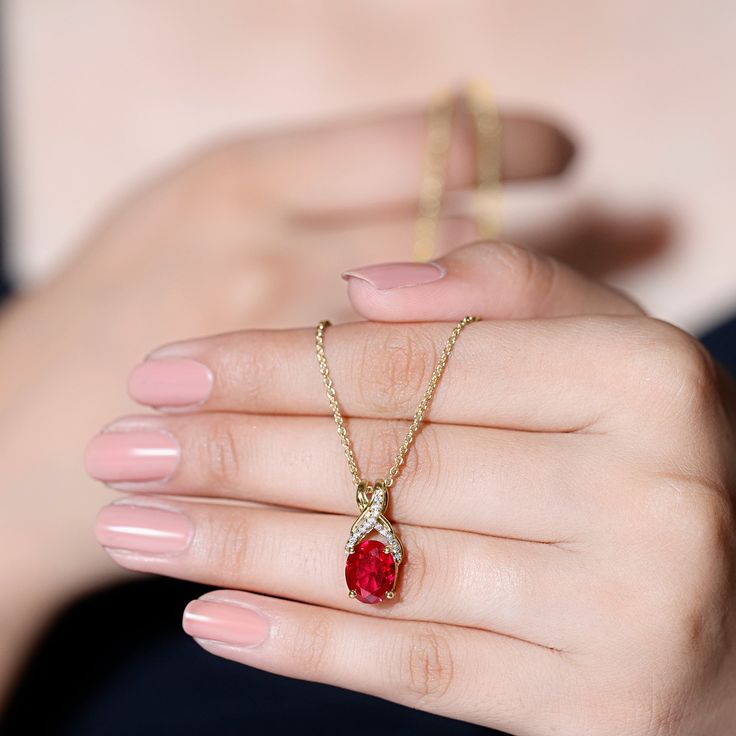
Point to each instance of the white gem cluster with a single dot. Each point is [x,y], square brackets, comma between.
[372,521]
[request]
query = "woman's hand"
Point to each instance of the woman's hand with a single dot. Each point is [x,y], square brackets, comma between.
[567,511]
[249,232]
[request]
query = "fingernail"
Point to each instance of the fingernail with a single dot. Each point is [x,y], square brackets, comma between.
[146,529]
[170,382]
[119,457]
[385,276]
[225,622]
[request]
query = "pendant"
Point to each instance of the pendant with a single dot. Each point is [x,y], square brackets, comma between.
[372,566]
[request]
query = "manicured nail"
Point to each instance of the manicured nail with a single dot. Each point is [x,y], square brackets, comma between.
[385,276]
[170,382]
[146,529]
[225,622]
[124,457]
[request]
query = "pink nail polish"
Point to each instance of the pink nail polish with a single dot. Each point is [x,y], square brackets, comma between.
[225,622]
[385,276]
[119,457]
[170,382]
[145,529]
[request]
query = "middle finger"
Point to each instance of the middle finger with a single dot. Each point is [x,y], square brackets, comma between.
[524,485]
[508,586]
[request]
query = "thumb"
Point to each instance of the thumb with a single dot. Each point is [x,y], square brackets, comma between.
[489,279]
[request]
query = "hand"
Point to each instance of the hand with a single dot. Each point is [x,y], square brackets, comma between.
[247,233]
[567,511]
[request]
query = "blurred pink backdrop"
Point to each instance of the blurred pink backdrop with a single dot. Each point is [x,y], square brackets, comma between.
[102,93]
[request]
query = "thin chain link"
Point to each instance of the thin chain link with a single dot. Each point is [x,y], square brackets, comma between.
[418,414]
[487,201]
[434,173]
[487,208]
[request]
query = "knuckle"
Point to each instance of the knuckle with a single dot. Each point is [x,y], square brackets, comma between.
[244,369]
[396,363]
[223,454]
[309,647]
[703,522]
[534,275]
[676,366]
[425,666]
[379,445]
[229,545]
[690,530]
[421,470]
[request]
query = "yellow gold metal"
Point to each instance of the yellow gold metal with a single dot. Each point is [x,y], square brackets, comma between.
[352,593]
[421,409]
[373,499]
[486,207]
[390,594]
[364,495]
[432,186]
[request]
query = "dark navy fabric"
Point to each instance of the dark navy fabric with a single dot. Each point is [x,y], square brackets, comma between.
[106,670]
[721,341]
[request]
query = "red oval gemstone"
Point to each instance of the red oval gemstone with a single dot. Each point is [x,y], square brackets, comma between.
[370,571]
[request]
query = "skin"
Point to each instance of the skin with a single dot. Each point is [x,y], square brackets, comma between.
[273,218]
[567,511]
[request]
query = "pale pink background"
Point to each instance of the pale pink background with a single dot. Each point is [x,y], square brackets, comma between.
[103,92]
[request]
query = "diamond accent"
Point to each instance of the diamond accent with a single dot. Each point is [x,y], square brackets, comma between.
[372,519]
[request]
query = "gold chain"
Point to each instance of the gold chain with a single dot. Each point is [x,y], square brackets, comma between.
[418,414]
[440,118]
[486,206]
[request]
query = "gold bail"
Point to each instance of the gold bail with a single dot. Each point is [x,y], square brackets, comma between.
[364,494]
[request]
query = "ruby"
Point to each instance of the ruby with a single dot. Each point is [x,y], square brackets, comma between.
[370,571]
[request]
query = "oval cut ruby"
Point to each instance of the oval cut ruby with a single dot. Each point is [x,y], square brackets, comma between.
[370,571]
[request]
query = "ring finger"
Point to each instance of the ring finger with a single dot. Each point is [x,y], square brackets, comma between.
[508,586]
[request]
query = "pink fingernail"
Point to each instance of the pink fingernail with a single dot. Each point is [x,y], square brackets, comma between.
[144,529]
[225,622]
[385,276]
[118,457]
[170,382]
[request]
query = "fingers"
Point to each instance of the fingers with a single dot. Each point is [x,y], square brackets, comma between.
[530,375]
[508,586]
[491,280]
[531,487]
[371,164]
[421,665]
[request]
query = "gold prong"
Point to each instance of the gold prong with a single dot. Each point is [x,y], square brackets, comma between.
[390,594]
[351,550]
[387,549]
[352,593]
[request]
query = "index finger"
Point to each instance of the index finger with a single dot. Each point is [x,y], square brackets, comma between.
[374,163]
[520,374]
